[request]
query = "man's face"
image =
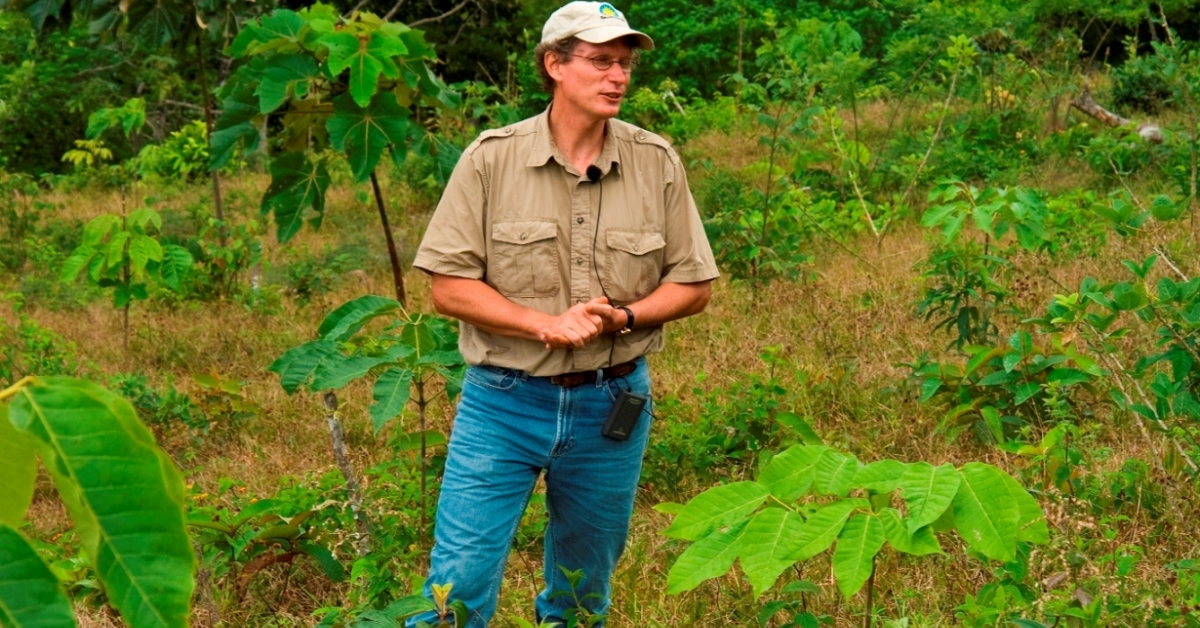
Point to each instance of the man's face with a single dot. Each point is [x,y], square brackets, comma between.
[594,93]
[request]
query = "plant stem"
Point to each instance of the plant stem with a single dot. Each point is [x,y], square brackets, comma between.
[338,436]
[397,273]
[870,596]
[208,125]
[421,403]
[766,217]
[11,391]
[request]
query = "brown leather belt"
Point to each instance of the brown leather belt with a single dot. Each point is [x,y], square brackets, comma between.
[571,380]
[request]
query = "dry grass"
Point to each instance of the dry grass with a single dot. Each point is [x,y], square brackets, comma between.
[851,326]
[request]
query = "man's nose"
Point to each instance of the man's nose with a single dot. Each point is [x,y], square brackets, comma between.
[617,74]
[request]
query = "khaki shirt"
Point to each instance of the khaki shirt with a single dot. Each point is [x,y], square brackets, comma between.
[519,216]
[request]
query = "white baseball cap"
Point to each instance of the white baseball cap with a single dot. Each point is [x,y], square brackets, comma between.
[593,22]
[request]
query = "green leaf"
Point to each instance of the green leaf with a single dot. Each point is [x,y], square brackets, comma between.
[411,441]
[115,251]
[97,228]
[341,324]
[158,22]
[929,388]
[716,508]
[710,557]
[176,264]
[984,512]
[1026,623]
[236,121]
[391,392]
[1031,522]
[820,530]
[325,559]
[297,365]
[18,467]
[29,593]
[801,426]
[364,133]
[286,76]
[881,476]
[297,184]
[765,546]
[123,493]
[854,557]
[337,370]
[143,249]
[790,473]
[928,492]
[835,473]
[366,57]
[77,261]
[895,528]
[1024,392]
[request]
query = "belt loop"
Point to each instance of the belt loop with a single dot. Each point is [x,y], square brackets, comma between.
[599,376]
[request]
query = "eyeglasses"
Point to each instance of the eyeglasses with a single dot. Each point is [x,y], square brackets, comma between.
[603,63]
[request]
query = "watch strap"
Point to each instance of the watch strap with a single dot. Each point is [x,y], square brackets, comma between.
[628,320]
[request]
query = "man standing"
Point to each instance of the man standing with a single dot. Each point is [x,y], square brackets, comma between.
[563,243]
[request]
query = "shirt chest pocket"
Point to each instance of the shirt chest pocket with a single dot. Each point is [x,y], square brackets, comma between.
[525,258]
[634,265]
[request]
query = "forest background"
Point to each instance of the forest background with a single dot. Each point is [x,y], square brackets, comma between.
[950,234]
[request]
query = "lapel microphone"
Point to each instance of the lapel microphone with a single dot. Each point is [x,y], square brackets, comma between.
[593,173]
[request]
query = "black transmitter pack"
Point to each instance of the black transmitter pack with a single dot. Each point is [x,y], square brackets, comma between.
[624,415]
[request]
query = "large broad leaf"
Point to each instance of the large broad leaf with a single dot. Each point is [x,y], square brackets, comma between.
[766,545]
[176,264]
[920,543]
[77,261]
[158,22]
[710,557]
[854,556]
[881,476]
[286,76]
[716,508]
[297,184]
[29,593]
[391,392]
[363,133]
[18,468]
[349,317]
[123,493]
[144,249]
[366,57]
[835,473]
[297,365]
[928,492]
[985,513]
[790,473]
[337,370]
[235,122]
[820,530]
[1031,522]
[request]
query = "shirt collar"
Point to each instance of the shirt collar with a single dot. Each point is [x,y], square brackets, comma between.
[544,148]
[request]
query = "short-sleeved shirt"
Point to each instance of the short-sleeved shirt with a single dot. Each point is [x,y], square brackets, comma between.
[517,215]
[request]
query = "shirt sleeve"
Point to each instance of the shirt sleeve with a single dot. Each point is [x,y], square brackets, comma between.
[454,240]
[689,257]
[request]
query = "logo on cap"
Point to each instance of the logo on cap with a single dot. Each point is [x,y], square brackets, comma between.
[608,10]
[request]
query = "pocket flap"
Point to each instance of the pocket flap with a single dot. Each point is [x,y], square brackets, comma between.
[525,231]
[635,242]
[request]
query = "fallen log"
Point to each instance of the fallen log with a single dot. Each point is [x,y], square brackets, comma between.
[1085,103]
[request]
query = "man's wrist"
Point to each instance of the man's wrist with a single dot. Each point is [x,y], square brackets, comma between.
[629,320]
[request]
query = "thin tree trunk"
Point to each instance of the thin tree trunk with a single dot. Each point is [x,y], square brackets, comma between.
[421,411]
[397,273]
[343,461]
[208,122]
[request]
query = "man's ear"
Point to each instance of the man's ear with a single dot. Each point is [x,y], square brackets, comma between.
[553,66]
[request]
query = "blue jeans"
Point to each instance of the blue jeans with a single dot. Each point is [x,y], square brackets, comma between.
[511,427]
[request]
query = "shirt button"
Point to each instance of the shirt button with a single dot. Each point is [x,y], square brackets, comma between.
[579,261]
[579,220]
[508,130]
[641,136]
[523,235]
[635,248]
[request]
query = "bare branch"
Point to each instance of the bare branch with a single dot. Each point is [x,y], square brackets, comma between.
[185,105]
[395,7]
[443,16]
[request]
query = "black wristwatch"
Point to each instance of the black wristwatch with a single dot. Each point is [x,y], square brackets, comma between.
[628,321]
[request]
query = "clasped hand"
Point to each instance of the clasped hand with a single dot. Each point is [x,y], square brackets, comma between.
[581,324]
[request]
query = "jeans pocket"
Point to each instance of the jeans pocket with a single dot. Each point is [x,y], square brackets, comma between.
[493,377]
